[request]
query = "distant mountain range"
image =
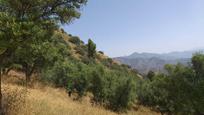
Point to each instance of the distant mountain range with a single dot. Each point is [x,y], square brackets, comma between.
[144,62]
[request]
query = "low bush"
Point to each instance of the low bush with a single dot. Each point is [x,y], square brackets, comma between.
[75,40]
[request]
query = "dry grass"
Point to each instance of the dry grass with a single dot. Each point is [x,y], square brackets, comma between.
[13,99]
[46,100]
[52,101]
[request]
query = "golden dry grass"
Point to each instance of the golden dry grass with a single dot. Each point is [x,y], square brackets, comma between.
[52,101]
[46,100]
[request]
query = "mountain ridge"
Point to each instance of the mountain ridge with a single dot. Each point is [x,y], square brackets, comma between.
[173,54]
[145,62]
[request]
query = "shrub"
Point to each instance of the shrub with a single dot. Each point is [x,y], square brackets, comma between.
[124,96]
[80,51]
[91,49]
[113,88]
[99,85]
[60,73]
[75,40]
[101,52]
[107,62]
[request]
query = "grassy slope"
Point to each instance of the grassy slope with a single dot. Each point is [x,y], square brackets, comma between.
[50,101]
[46,100]
[73,51]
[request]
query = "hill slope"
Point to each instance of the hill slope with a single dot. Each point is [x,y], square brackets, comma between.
[46,100]
[80,69]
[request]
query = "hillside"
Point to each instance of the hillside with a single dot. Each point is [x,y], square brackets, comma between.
[69,65]
[47,100]
[45,70]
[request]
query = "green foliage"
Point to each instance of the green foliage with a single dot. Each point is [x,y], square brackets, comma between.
[58,74]
[107,62]
[180,91]
[27,26]
[70,74]
[124,95]
[30,40]
[38,10]
[99,85]
[75,40]
[34,56]
[150,75]
[81,50]
[91,49]
[112,88]
[198,64]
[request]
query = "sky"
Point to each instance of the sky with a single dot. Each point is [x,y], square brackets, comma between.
[121,27]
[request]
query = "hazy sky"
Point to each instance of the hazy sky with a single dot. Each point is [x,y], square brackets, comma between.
[121,27]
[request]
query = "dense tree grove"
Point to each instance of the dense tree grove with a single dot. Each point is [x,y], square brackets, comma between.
[180,91]
[27,26]
[32,42]
[112,88]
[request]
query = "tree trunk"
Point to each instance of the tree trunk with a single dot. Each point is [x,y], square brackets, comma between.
[4,57]
[1,108]
[29,73]
[27,79]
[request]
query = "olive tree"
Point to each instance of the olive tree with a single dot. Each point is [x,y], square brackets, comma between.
[23,22]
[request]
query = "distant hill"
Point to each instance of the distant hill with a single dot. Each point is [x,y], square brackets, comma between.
[145,62]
